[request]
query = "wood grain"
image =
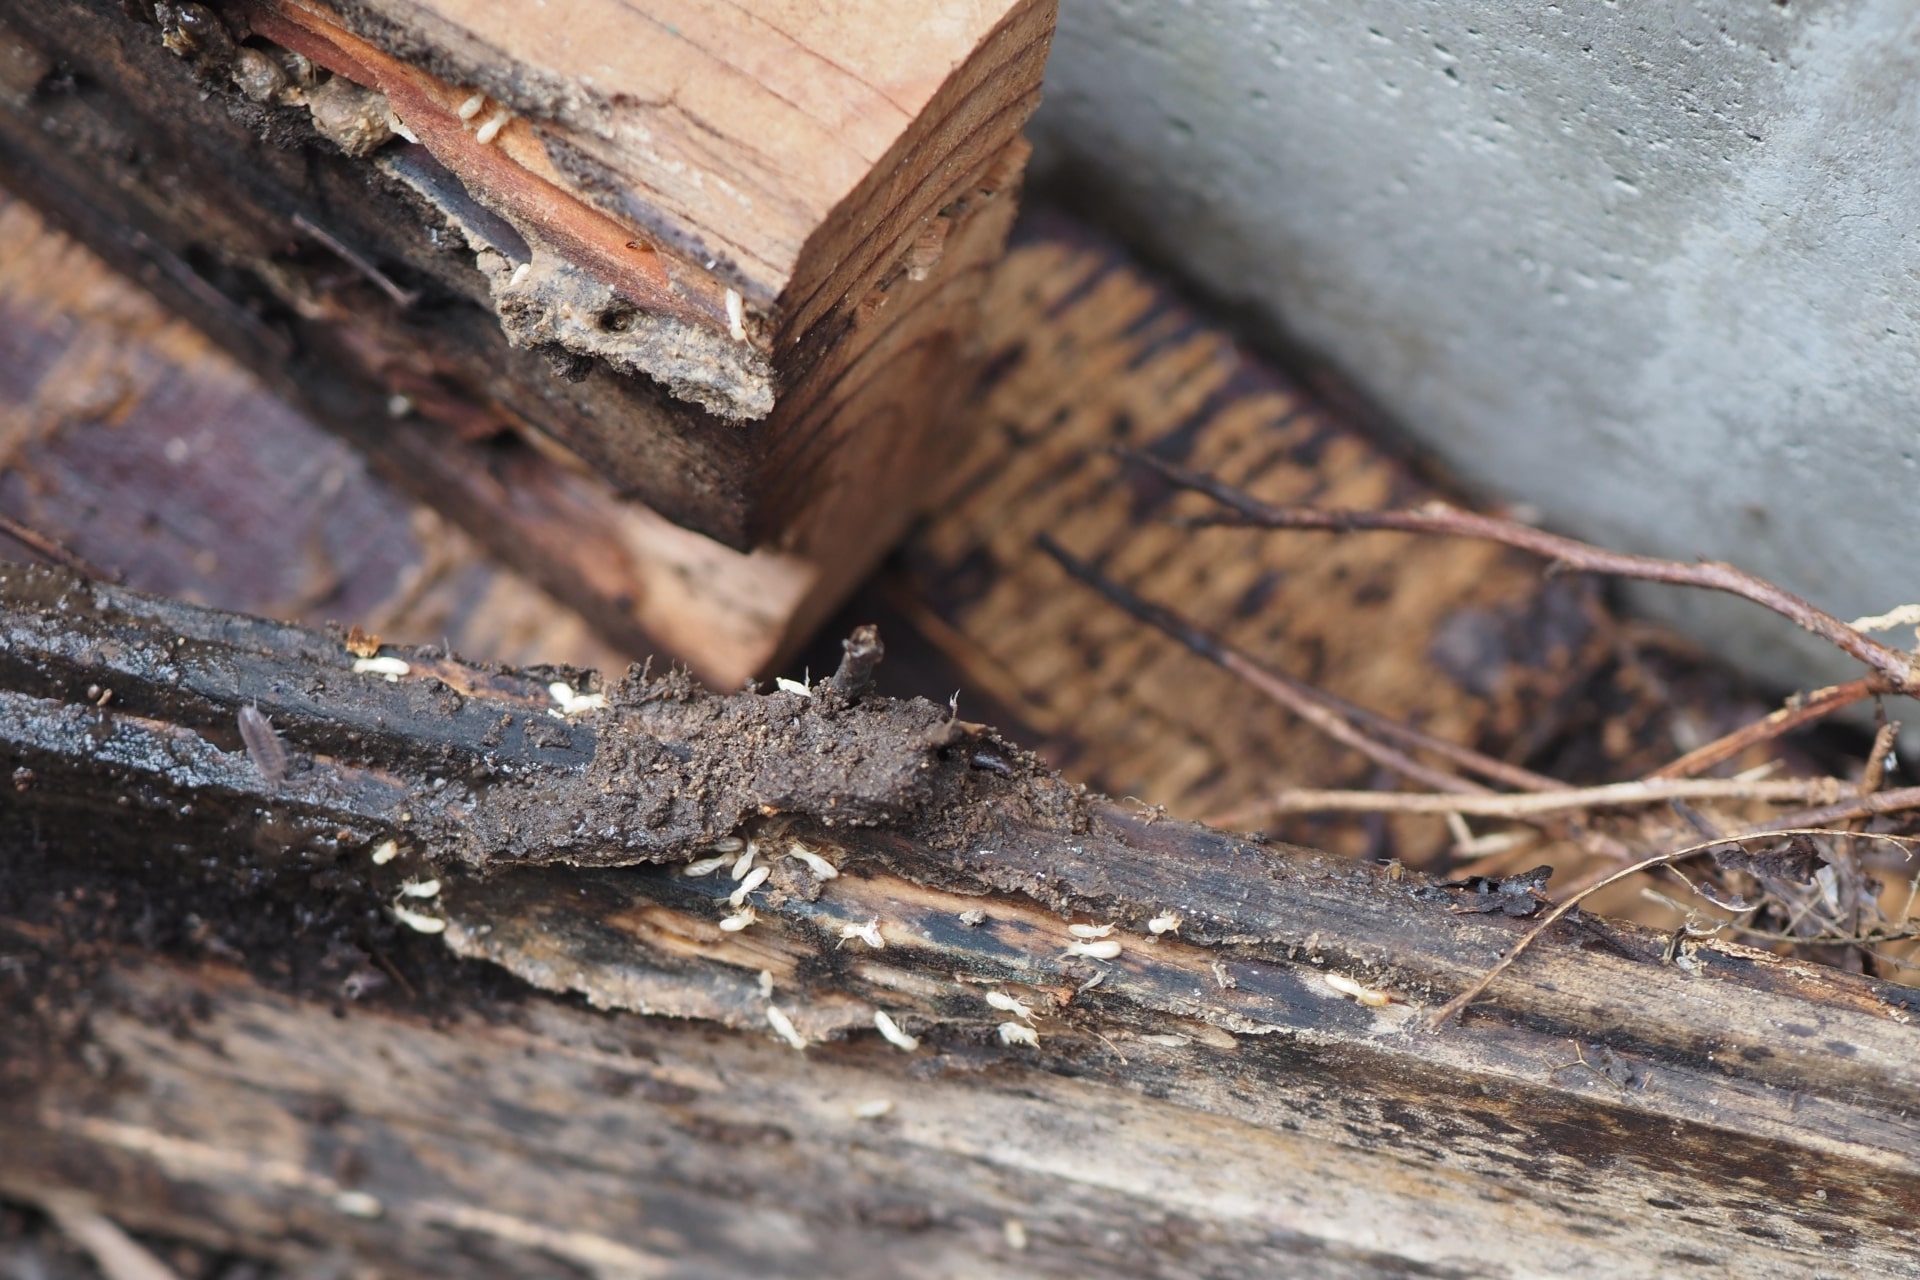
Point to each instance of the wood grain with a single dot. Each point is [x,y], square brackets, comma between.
[1199,1103]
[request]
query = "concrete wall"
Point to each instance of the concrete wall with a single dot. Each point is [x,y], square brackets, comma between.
[1654,268]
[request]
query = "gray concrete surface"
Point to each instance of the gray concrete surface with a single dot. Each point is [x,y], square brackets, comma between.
[1654,268]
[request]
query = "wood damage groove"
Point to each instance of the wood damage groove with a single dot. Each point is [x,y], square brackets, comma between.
[1141,1040]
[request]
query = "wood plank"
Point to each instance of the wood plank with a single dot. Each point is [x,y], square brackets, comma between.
[758,347]
[1736,1111]
[1088,352]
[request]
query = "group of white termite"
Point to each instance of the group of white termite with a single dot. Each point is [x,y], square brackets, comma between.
[1088,941]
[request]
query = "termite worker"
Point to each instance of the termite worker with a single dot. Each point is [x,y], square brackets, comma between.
[755,878]
[1106,949]
[416,921]
[1010,1004]
[738,920]
[1018,1033]
[1365,995]
[891,1031]
[1165,922]
[784,1028]
[1089,930]
[868,933]
[745,861]
[487,132]
[821,868]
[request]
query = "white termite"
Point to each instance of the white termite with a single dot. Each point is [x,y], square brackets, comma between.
[783,1027]
[737,326]
[355,1204]
[1018,1033]
[706,866]
[873,1109]
[416,921]
[1105,949]
[1089,930]
[821,868]
[755,878]
[1010,1004]
[391,668]
[766,984]
[728,844]
[571,703]
[487,132]
[420,889]
[868,933]
[738,920]
[1015,1232]
[792,686]
[1167,1041]
[1165,922]
[1222,977]
[1365,995]
[384,852]
[744,863]
[263,745]
[471,107]
[891,1031]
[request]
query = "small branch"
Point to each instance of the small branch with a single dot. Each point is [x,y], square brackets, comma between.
[1309,704]
[403,298]
[1459,1003]
[1613,796]
[1895,801]
[1816,705]
[118,1255]
[35,541]
[1895,667]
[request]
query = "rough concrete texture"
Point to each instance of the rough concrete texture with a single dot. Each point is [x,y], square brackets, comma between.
[1651,268]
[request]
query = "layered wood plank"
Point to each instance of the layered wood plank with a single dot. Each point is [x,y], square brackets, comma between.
[723,262]
[1216,1063]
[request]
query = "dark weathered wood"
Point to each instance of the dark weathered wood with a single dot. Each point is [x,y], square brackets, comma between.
[1202,1102]
[772,369]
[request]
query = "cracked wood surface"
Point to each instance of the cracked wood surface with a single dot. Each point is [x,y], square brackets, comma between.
[1200,1102]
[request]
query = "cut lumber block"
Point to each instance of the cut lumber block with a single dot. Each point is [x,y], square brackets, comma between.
[260,999]
[714,273]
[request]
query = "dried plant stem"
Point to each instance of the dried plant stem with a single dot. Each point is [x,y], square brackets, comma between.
[1895,801]
[1337,718]
[1613,796]
[1895,667]
[1459,1003]
[1815,706]
[34,540]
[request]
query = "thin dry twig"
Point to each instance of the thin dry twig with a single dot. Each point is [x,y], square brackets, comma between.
[1894,666]
[1309,704]
[1896,801]
[1814,706]
[1611,796]
[34,540]
[1473,992]
[118,1255]
[1334,715]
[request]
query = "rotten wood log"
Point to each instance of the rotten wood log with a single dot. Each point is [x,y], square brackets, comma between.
[1245,1093]
[741,297]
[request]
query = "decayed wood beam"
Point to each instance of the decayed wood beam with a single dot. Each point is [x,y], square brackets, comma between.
[724,264]
[1246,1091]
